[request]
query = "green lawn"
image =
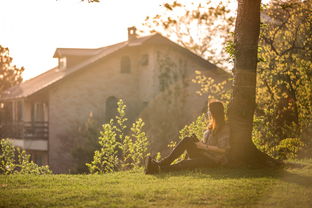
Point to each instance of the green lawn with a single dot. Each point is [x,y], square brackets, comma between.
[290,187]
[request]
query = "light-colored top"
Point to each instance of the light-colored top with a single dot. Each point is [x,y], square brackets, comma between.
[220,139]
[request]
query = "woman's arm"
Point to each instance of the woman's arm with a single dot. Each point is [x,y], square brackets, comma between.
[208,148]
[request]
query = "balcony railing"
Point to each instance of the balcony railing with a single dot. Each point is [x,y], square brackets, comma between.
[25,130]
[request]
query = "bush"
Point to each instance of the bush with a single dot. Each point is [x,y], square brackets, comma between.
[268,141]
[287,148]
[119,151]
[14,160]
[105,160]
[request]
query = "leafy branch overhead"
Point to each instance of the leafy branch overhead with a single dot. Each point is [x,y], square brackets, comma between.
[198,27]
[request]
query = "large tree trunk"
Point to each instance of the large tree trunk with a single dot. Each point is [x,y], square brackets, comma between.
[242,106]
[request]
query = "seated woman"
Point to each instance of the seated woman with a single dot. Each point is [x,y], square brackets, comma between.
[210,152]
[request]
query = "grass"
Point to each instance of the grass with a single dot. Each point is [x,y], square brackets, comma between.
[288,187]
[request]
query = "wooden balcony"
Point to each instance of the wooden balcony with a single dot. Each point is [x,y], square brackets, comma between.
[25,130]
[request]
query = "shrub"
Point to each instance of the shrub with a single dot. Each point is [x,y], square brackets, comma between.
[139,144]
[269,142]
[135,146]
[14,160]
[105,160]
[287,148]
[119,151]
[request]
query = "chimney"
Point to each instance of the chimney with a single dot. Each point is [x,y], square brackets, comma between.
[132,33]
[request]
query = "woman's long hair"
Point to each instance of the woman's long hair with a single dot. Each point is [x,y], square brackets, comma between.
[216,110]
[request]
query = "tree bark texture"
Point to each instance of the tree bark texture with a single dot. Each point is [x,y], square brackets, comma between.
[242,106]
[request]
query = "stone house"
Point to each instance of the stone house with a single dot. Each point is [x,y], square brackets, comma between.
[152,74]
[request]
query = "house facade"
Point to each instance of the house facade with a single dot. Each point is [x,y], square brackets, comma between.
[151,74]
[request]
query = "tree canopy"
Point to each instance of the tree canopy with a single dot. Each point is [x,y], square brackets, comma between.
[284,85]
[10,75]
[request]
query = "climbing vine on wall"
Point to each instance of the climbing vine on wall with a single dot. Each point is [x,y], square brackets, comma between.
[171,77]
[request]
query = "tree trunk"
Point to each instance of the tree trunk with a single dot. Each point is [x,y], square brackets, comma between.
[242,106]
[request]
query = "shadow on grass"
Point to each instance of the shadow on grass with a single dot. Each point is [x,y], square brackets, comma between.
[238,173]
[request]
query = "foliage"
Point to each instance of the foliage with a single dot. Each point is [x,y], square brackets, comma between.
[119,151]
[158,156]
[197,127]
[106,159]
[10,75]
[287,148]
[284,85]
[216,90]
[140,146]
[14,160]
[197,26]
[230,48]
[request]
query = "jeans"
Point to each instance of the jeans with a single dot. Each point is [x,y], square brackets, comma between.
[195,158]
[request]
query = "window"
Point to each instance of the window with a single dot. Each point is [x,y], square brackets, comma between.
[125,64]
[144,60]
[8,112]
[37,112]
[17,111]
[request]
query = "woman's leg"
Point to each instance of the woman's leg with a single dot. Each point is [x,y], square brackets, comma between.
[187,144]
[190,164]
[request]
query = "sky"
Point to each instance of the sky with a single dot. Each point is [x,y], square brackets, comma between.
[33,29]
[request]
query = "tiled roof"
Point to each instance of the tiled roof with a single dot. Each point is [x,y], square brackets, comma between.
[34,85]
